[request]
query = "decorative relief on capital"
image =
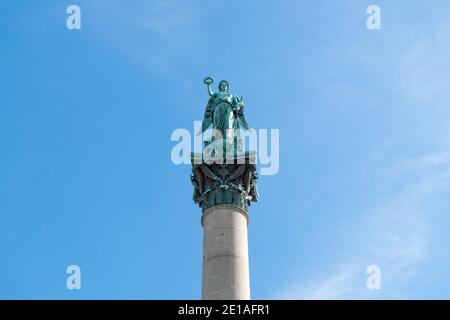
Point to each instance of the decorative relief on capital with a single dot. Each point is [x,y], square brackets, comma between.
[216,184]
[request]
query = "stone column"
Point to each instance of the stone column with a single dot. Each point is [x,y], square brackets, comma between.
[224,191]
[225,254]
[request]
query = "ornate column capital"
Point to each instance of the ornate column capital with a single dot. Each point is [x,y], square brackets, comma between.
[224,183]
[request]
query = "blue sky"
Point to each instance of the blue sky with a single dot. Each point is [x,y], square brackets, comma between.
[86,117]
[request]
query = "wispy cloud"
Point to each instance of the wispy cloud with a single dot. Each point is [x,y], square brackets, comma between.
[426,162]
[169,18]
[396,232]
[156,34]
[423,72]
[394,236]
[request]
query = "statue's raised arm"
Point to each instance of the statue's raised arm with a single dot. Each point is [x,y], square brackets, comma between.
[208,117]
[208,81]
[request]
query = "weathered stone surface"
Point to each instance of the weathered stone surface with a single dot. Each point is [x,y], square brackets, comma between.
[225,254]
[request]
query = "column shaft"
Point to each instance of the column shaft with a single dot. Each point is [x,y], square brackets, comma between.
[225,254]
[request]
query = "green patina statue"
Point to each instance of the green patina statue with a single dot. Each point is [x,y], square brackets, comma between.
[225,112]
[233,182]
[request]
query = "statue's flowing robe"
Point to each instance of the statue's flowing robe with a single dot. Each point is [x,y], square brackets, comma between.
[219,112]
[223,119]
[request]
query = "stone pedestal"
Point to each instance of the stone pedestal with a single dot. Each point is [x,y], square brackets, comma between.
[225,254]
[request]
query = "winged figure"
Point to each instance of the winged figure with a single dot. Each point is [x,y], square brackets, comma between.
[224,112]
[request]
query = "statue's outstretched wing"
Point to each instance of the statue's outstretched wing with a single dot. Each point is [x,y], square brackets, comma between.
[240,115]
[208,118]
[241,119]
